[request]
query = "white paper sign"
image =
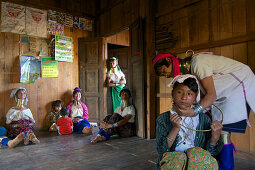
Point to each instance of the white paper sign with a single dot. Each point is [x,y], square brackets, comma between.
[36,22]
[13,18]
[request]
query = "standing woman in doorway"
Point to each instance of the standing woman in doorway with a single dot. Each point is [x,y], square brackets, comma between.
[115,79]
[227,83]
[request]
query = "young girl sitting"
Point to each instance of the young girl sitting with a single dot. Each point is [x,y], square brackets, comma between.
[65,123]
[177,135]
[54,114]
[20,119]
[79,114]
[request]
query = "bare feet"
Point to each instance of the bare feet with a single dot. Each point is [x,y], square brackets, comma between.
[31,137]
[53,128]
[17,140]
[26,140]
[98,138]
[34,138]
[87,130]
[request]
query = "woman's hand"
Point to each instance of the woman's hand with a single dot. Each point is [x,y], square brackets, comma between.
[175,119]
[104,125]
[216,131]
[75,120]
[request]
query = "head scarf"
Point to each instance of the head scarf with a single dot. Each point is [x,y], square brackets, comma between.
[117,63]
[181,78]
[77,89]
[176,69]
[129,100]
[13,94]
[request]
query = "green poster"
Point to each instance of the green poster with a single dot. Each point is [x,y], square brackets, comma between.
[63,48]
[49,67]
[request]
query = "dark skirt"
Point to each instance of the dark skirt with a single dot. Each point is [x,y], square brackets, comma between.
[79,126]
[13,132]
[126,130]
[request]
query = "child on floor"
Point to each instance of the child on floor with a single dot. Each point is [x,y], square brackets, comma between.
[181,140]
[79,114]
[65,123]
[5,141]
[54,114]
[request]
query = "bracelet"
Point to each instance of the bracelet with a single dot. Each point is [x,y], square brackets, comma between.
[213,145]
[115,125]
[198,109]
[170,139]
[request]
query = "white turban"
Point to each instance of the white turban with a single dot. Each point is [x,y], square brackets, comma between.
[13,94]
[181,78]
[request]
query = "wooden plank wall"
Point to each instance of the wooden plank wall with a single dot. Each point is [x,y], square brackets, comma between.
[225,27]
[118,15]
[43,91]
[121,38]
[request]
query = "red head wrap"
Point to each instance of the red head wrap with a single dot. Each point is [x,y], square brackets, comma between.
[176,69]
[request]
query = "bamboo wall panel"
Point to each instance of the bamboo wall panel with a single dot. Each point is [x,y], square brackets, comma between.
[45,90]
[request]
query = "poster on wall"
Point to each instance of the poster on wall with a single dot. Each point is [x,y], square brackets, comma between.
[68,20]
[30,69]
[36,22]
[49,67]
[52,15]
[59,29]
[51,28]
[82,22]
[55,28]
[12,18]
[88,24]
[34,46]
[63,48]
[75,21]
[60,18]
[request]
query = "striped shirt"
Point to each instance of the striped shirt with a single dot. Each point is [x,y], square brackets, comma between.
[202,139]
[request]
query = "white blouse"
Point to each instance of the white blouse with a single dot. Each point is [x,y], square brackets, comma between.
[77,110]
[115,77]
[186,137]
[15,115]
[130,110]
[231,78]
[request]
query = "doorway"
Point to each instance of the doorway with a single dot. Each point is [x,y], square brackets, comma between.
[118,46]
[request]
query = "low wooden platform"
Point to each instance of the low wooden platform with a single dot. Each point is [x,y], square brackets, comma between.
[75,152]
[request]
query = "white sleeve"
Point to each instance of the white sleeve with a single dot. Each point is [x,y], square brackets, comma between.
[122,74]
[129,111]
[200,66]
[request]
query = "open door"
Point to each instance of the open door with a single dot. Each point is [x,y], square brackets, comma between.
[137,75]
[91,76]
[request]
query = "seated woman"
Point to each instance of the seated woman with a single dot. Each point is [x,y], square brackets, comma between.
[19,118]
[79,114]
[121,122]
[176,134]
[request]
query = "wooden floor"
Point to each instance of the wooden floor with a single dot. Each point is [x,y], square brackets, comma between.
[75,152]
